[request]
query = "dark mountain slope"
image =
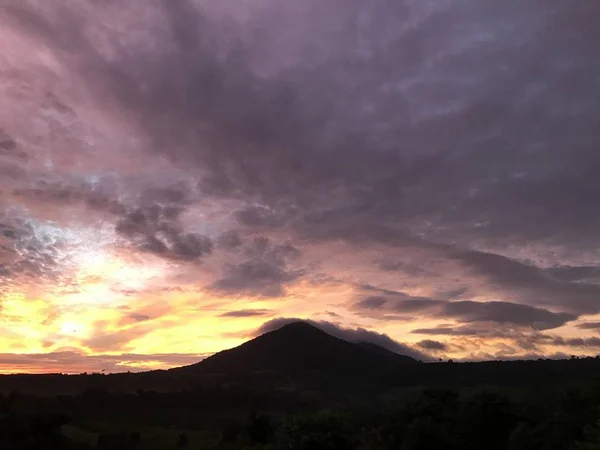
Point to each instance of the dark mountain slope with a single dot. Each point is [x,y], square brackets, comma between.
[300,348]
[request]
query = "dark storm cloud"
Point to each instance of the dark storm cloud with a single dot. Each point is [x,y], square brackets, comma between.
[265,271]
[247,313]
[430,345]
[356,335]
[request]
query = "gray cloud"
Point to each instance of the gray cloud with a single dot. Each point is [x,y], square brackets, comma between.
[356,335]
[29,254]
[259,217]
[389,300]
[480,330]
[506,313]
[139,317]
[465,312]
[257,277]
[448,331]
[589,326]
[535,341]
[156,229]
[577,342]
[264,272]
[532,283]
[230,240]
[247,313]
[372,302]
[577,274]
[10,148]
[435,346]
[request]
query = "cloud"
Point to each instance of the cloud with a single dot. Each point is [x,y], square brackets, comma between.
[156,230]
[574,342]
[247,313]
[481,330]
[10,148]
[255,277]
[355,335]
[294,137]
[575,274]
[104,339]
[258,217]
[464,312]
[506,313]
[72,362]
[33,254]
[532,283]
[265,272]
[389,300]
[372,302]
[539,342]
[430,345]
[230,240]
[139,317]
[589,325]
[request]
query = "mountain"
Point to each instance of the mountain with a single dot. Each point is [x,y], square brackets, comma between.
[302,348]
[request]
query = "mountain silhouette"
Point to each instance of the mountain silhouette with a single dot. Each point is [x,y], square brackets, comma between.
[299,348]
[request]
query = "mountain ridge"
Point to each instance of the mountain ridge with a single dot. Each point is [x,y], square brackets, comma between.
[298,348]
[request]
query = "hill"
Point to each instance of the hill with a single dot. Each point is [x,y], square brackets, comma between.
[300,348]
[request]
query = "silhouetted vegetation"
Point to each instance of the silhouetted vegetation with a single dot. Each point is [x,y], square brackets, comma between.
[451,419]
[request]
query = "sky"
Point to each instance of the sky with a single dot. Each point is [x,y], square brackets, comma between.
[177,177]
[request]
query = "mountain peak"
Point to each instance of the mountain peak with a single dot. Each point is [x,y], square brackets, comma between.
[300,347]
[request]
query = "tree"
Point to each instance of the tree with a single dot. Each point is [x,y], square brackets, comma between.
[259,428]
[183,441]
